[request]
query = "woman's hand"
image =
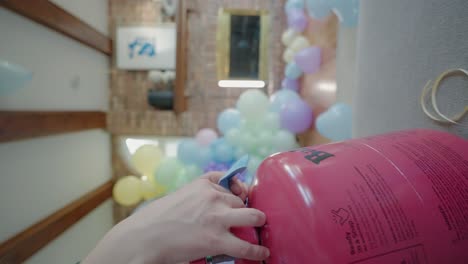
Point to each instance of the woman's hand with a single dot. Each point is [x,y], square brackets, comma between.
[189,224]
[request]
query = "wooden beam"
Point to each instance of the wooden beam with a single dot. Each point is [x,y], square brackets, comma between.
[22,125]
[23,245]
[56,18]
[180,104]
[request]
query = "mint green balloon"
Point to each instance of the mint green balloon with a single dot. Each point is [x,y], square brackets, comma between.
[233,136]
[248,126]
[265,138]
[263,152]
[283,140]
[252,104]
[186,175]
[168,172]
[248,142]
[271,121]
[239,152]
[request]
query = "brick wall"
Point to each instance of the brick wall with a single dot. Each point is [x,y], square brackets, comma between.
[129,112]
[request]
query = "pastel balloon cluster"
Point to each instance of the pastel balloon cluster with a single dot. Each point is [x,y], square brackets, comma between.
[299,55]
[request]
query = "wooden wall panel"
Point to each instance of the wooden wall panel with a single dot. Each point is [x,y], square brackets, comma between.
[22,246]
[23,125]
[56,18]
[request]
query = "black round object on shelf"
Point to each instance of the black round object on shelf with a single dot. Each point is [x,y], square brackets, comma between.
[161,99]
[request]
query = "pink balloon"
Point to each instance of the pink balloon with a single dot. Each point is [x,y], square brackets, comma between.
[205,136]
[309,59]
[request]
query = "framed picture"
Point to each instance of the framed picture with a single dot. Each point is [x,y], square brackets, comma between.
[146,48]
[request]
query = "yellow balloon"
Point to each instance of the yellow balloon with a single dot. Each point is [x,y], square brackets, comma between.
[150,189]
[288,55]
[299,43]
[146,159]
[127,191]
[288,36]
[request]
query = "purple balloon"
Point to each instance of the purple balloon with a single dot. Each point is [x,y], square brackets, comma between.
[309,59]
[290,84]
[214,166]
[297,19]
[296,117]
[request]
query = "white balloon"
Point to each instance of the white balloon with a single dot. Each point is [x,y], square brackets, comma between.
[299,43]
[155,76]
[288,55]
[288,36]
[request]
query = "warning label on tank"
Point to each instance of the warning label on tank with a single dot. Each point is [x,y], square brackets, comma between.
[375,217]
[448,173]
[409,255]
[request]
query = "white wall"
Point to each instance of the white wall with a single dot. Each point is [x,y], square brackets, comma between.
[401,45]
[41,175]
[66,74]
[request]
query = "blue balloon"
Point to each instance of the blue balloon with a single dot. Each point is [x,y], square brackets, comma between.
[204,157]
[292,71]
[228,119]
[336,122]
[282,98]
[187,151]
[319,9]
[222,151]
[293,4]
[347,11]
[12,77]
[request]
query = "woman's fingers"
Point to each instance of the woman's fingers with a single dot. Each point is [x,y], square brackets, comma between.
[239,188]
[241,217]
[238,248]
[213,176]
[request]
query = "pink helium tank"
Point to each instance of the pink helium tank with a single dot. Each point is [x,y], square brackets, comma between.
[396,198]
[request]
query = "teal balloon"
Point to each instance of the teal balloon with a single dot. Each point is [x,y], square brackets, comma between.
[293,4]
[252,104]
[320,9]
[292,71]
[12,77]
[188,151]
[228,119]
[222,151]
[254,163]
[283,141]
[336,122]
[347,12]
[282,98]
[204,157]
[167,173]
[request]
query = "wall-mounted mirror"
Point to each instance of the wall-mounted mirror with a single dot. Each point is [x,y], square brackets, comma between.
[242,44]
